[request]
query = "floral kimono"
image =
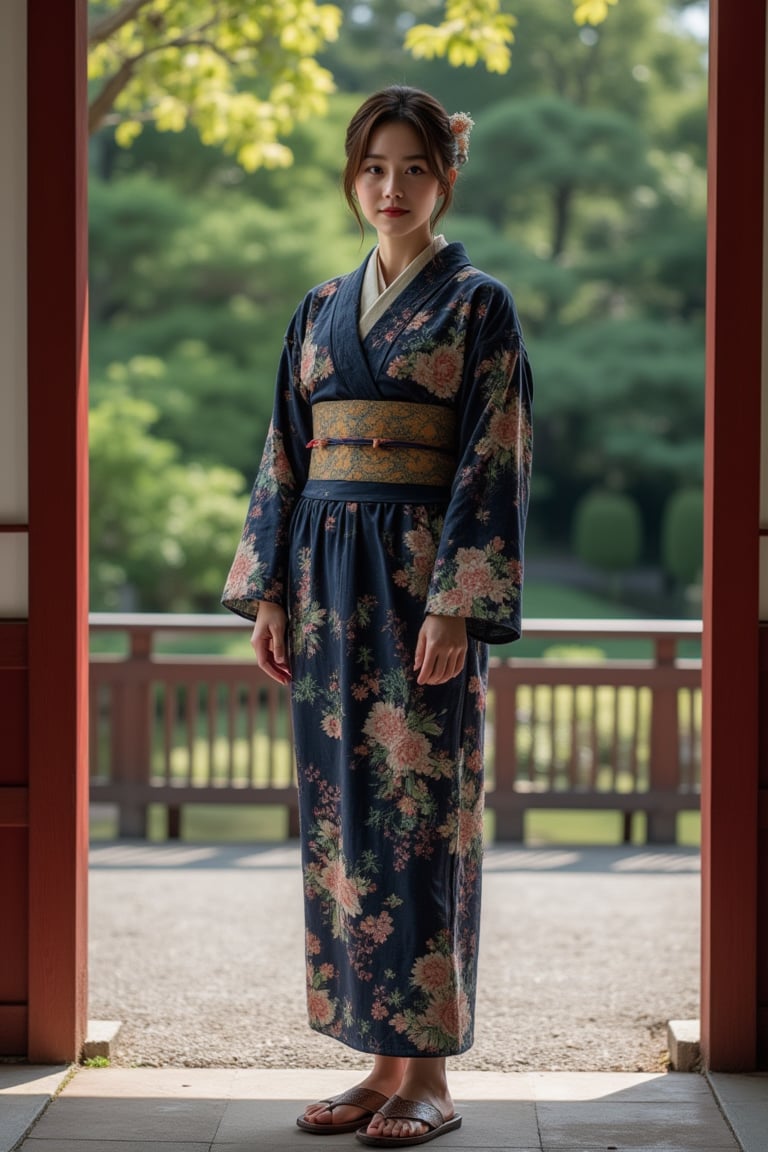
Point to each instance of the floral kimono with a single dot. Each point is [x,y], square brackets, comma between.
[394,483]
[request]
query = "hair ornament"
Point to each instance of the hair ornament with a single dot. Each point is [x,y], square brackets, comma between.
[461,125]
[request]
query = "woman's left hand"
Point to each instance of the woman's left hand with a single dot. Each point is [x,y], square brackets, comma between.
[440,649]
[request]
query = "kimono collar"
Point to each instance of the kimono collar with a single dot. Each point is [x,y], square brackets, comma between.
[359,363]
[376,297]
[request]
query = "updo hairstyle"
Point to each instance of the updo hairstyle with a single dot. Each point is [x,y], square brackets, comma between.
[425,115]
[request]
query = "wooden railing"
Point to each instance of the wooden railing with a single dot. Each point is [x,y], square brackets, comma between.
[564,732]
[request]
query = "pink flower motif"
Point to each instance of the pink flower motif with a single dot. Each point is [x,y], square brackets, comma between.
[450,1015]
[343,889]
[410,753]
[399,1022]
[418,321]
[379,1011]
[316,364]
[327,971]
[281,466]
[308,355]
[421,543]
[397,367]
[475,762]
[386,724]
[313,944]
[439,372]
[408,806]
[433,972]
[247,570]
[454,601]
[378,927]
[470,828]
[504,429]
[331,725]
[474,576]
[320,1007]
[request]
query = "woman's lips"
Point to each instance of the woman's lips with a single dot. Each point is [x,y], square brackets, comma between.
[394,211]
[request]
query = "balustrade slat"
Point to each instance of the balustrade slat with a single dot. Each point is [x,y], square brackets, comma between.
[211,726]
[634,739]
[272,728]
[534,738]
[564,734]
[594,746]
[573,773]
[231,727]
[615,741]
[250,733]
[169,716]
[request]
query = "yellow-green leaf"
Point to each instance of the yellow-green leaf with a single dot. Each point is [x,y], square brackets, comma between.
[591,11]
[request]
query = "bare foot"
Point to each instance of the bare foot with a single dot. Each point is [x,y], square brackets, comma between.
[385,1077]
[418,1087]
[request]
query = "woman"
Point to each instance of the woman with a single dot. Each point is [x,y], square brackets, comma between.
[381,553]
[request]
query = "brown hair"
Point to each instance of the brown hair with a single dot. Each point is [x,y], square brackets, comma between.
[429,119]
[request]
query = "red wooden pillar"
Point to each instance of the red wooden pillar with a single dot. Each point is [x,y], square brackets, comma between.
[58,508]
[14,530]
[731,539]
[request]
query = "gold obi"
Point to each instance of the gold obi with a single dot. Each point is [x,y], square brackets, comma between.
[383,441]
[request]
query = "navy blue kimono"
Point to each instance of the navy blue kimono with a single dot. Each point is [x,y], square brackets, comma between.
[358,536]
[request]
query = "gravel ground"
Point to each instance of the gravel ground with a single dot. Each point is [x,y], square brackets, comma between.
[585,956]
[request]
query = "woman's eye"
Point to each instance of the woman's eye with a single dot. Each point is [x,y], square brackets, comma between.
[415,170]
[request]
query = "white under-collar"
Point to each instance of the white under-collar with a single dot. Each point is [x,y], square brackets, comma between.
[375,297]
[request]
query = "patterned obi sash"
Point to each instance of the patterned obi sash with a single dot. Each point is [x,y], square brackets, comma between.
[384,441]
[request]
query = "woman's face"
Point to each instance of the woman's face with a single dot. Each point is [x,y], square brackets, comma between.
[395,188]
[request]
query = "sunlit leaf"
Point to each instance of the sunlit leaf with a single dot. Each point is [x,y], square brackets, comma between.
[591,11]
[473,31]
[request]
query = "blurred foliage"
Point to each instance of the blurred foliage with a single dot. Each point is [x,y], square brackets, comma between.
[682,536]
[244,72]
[161,530]
[241,71]
[585,193]
[607,531]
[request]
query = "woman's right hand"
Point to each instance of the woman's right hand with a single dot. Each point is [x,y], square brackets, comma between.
[268,641]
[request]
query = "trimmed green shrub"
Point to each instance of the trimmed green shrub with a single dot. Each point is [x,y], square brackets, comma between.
[607,530]
[682,535]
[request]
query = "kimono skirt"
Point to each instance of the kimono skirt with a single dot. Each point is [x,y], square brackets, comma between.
[390,772]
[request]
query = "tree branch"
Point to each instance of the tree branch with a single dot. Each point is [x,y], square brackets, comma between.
[104,28]
[111,89]
[200,42]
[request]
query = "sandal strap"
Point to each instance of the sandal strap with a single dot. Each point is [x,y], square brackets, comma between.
[359,1097]
[398,1109]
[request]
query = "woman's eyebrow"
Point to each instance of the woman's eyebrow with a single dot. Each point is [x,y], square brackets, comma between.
[379,156]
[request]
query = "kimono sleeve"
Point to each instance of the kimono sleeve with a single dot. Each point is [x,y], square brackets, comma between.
[260,567]
[478,571]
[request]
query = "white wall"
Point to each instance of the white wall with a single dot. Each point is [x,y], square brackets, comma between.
[13,313]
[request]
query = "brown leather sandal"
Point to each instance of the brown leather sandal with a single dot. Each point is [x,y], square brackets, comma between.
[398,1109]
[365,1098]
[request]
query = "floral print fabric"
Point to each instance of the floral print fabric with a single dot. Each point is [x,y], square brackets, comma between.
[391,772]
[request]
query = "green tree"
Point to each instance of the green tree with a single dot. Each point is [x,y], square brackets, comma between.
[243,72]
[198,264]
[161,531]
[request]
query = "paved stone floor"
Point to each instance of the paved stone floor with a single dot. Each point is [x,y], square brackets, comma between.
[254,1110]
